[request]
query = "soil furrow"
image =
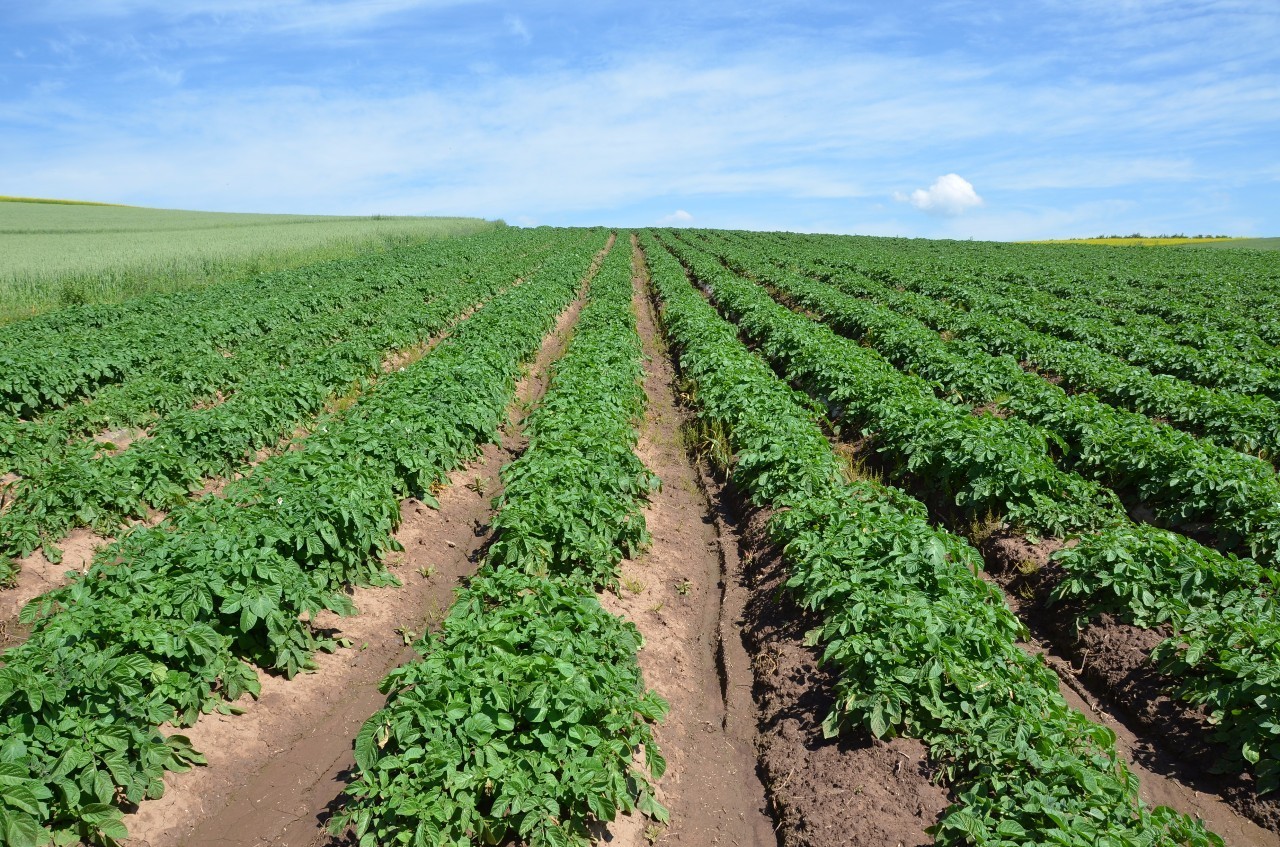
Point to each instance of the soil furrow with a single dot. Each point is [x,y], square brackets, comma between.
[822,792]
[1107,674]
[277,772]
[676,595]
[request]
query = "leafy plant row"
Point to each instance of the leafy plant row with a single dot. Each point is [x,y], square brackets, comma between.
[982,463]
[1225,630]
[52,360]
[1245,422]
[922,646]
[1176,311]
[1181,479]
[524,715]
[1198,294]
[203,376]
[168,621]
[1223,609]
[84,487]
[1216,366]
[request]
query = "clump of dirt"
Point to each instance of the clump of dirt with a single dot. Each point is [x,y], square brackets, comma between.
[119,440]
[995,410]
[1047,376]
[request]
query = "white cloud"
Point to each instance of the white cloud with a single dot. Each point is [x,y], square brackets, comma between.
[677,218]
[517,27]
[951,194]
[758,137]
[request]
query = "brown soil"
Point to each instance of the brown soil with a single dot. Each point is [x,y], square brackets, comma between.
[277,772]
[852,790]
[37,575]
[678,595]
[1106,673]
[6,482]
[993,409]
[215,399]
[119,440]
[1047,376]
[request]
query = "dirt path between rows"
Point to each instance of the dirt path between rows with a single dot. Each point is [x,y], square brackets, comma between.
[675,594]
[1160,777]
[277,772]
[37,575]
[821,792]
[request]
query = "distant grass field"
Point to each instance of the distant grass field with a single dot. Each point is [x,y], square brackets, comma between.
[1250,243]
[56,252]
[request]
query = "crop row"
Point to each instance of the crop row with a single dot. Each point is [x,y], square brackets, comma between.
[1223,608]
[1221,616]
[337,303]
[1176,310]
[168,620]
[1215,366]
[921,645]
[1183,480]
[525,713]
[983,463]
[1248,423]
[84,487]
[52,360]
[1194,292]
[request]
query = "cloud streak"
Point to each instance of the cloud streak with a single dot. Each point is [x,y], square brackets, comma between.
[575,128]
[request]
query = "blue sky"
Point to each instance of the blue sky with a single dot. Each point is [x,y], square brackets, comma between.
[1012,120]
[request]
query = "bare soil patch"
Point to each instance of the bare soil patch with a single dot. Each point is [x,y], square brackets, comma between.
[677,594]
[37,575]
[119,440]
[851,790]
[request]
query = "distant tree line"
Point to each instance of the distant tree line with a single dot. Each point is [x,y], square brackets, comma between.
[1174,235]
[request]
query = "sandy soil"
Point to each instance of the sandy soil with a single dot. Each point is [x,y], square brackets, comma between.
[676,594]
[277,772]
[37,575]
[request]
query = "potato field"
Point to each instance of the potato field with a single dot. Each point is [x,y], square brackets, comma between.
[563,536]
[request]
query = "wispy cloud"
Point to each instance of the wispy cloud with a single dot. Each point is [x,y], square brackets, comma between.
[297,15]
[677,218]
[177,104]
[516,26]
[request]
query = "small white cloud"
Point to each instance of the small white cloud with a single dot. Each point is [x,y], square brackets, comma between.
[677,218]
[949,195]
[515,26]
